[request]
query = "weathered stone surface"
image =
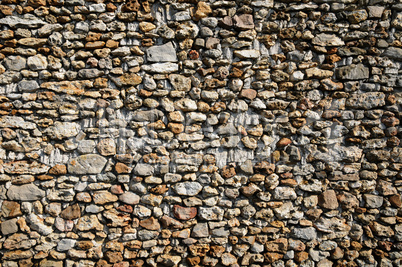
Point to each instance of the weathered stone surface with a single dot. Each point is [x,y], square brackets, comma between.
[87,164]
[26,192]
[9,227]
[328,200]
[162,53]
[29,21]
[324,39]
[164,68]
[61,130]
[25,167]
[366,100]
[184,213]
[353,72]
[188,188]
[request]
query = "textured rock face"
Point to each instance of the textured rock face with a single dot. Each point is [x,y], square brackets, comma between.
[200,133]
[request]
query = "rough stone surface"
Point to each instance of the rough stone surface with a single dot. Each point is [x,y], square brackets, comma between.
[200,133]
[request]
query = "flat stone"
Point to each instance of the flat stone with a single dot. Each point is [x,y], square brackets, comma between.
[10,209]
[247,54]
[65,244]
[86,164]
[90,73]
[328,200]
[243,22]
[308,233]
[25,167]
[162,53]
[373,201]
[366,100]
[163,68]
[393,52]
[106,147]
[61,130]
[28,86]
[200,230]
[26,192]
[28,21]
[103,197]
[187,188]
[324,39]
[15,63]
[9,226]
[142,169]
[184,213]
[180,82]
[16,122]
[151,224]
[353,72]
[37,62]
[129,198]
[89,222]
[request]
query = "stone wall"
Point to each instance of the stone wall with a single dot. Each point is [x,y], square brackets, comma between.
[189,133]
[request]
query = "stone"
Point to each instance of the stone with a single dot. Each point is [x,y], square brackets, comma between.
[203,10]
[200,230]
[180,82]
[324,39]
[129,198]
[373,201]
[26,192]
[16,122]
[243,22]
[328,200]
[9,227]
[151,224]
[15,63]
[62,130]
[87,164]
[103,197]
[352,72]
[10,209]
[162,53]
[71,212]
[28,21]
[228,259]
[357,16]
[128,79]
[143,169]
[366,100]
[66,244]
[37,62]
[163,68]
[89,222]
[184,213]
[37,223]
[187,188]
[393,52]
[106,147]
[247,54]
[308,233]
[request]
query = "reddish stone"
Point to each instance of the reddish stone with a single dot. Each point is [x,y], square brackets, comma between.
[168,222]
[284,142]
[390,121]
[248,93]
[125,208]
[71,212]
[193,54]
[395,200]
[244,22]
[184,213]
[116,189]
[58,169]
[301,256]
[10,209]
[271,257]
[228,172]
[328,200]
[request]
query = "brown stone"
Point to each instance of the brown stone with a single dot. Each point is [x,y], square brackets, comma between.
[203,10]
[106,147]
[168,222]
[10,209]
[103,197]
[176,128]
[279,245]
[271,257]
[151,224]
[58,169]
[184,213]
[159,189]
[243,22]
[228,172]
[95,45]
[395,200]
[194,261]
[113,256]
[264,167]
[328,200]
[71,212]
[248,93]
[122,168]
[301,256]
[283,142]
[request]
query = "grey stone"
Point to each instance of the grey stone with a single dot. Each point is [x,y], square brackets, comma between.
[308,233]
[393,52]
[87,164]
[48,29]
[86,146]
[28,21]
[37,223]
[28,86]
[147,115]
[61,130]
[143,169]
[65,244]
[162,53]
[129,198]
[26,192]
[90,73]
[353,72]
[324,39]
[9,226]
[187,188]
[366,100]
[373,201]
[37,62]
[15,63]
[200,230]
